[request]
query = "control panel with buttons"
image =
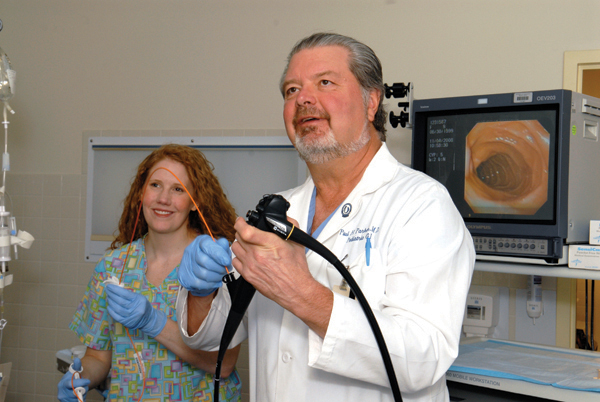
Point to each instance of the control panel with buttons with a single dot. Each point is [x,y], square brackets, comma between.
[511,246]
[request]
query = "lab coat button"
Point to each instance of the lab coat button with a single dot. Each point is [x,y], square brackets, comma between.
[286,357]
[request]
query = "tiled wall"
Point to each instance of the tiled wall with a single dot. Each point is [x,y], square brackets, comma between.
[49,280]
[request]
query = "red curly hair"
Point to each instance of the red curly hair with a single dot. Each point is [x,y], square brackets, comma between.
[207,192]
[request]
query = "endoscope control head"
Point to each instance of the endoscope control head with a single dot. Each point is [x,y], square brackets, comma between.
[270,215]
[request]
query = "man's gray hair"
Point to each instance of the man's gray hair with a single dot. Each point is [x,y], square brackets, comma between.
[363,63]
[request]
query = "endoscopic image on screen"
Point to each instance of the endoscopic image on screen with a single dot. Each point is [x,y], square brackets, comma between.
[506,167]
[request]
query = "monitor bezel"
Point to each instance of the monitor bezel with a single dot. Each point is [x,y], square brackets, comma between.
[556,100]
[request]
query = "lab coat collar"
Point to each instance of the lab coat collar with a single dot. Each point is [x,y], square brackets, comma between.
[380,171]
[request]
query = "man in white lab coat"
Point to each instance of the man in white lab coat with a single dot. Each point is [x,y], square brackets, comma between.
[397,231]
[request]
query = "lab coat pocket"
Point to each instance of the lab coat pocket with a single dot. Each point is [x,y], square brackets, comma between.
[369,277]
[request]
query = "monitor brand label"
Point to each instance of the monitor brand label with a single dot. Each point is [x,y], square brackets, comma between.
[544,98]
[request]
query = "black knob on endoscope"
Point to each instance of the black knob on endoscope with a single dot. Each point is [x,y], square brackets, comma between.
[252,217]
[272,205]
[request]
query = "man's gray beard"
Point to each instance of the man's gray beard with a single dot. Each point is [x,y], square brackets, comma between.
[327,148]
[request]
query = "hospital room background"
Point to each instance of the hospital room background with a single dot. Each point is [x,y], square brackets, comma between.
[210,68]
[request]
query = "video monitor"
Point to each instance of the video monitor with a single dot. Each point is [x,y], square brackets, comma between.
[496,164]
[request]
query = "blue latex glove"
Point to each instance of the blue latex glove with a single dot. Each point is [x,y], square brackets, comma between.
[203,265]
[65,390]
[134,311]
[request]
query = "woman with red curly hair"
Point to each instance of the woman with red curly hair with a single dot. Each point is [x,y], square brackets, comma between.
[127,317]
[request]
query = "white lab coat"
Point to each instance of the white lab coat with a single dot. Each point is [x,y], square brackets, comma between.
[419,271]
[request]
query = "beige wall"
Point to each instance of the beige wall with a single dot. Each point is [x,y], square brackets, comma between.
[112,66]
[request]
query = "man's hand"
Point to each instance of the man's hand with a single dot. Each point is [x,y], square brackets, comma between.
[278,270]
[274,266]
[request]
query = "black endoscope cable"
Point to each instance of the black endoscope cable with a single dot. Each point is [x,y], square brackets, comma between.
[272,218]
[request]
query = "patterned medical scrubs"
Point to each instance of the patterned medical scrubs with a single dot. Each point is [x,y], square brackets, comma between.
[168,378]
